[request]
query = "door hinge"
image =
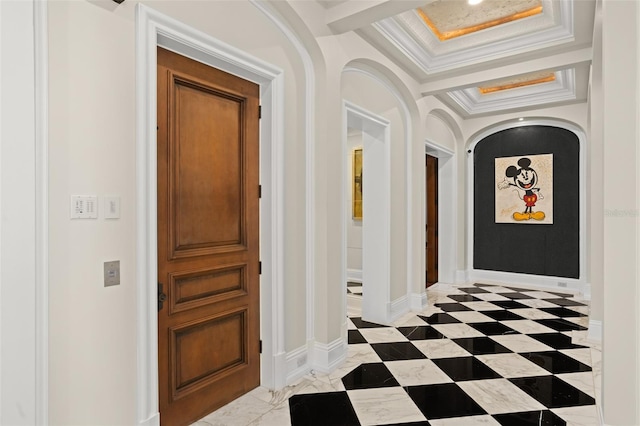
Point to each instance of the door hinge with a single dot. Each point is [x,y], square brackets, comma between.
[260,346]
[259,191]
[259,268]
[259,111]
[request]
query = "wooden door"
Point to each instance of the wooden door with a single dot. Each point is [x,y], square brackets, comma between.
[208,156]
[432,220]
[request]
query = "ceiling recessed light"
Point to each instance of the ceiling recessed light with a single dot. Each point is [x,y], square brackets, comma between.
[474,2]
[520,119]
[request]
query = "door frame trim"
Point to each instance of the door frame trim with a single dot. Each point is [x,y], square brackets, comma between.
[447,182]
[376,228]
[156,29]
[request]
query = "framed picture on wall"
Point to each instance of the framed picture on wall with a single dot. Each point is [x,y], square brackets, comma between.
[357,184]
[524,189]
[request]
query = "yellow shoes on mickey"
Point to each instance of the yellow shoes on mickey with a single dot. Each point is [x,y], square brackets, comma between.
[526,216]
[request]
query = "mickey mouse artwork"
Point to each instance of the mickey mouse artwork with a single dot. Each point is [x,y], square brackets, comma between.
[530,179]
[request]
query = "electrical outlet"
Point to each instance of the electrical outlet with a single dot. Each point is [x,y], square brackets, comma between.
[562,284]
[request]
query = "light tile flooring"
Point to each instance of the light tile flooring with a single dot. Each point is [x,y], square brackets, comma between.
[478,355]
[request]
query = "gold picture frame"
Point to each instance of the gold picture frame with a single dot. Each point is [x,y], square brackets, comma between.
[357,184]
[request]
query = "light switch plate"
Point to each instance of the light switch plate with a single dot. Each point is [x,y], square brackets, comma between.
[111,207]
[84,207]
[111,273]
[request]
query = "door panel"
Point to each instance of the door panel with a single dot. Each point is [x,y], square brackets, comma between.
[208,252]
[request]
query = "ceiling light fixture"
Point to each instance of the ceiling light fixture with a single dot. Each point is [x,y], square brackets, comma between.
[474,2]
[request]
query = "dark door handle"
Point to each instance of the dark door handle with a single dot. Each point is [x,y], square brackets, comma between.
[161,297]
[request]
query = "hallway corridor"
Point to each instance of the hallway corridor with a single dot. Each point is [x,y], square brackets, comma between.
[478,355]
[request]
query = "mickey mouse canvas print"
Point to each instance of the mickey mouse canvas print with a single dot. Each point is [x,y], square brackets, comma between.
[524,192]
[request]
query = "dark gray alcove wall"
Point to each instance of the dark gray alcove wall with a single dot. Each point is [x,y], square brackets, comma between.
[541,249]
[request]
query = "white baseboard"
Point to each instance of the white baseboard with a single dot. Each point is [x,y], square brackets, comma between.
[279,370]
[297,363]
[594,334]
[418,301]
[528,281]
[151,421]
[397,308]
[354,275]
[328,356]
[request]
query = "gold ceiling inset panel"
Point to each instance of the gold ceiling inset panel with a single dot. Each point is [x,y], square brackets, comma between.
[514,83]
[455,18]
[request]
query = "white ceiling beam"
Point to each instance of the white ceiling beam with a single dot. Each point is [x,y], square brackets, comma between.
[353,15]
[472,79]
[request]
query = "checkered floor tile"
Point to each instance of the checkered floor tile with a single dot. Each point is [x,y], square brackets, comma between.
[490,355]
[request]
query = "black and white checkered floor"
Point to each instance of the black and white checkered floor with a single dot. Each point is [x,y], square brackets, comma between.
[478,355]
[493,353]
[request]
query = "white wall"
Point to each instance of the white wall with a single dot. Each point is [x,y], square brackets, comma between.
[621,112]
[18,263]
[92,140]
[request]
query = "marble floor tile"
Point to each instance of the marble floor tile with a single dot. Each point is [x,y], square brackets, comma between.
[556,362]
[563,312]
[382,335]
[443,401]
[497,289]
[465,368]
[556,340]
[409,320]
[583,354]
[445,348]
[481,345]
[490,297]
[243,410]
[553,392]
[384,406]
[582,381]
[586,415]
[351,325]
[503,315]
[279,416]
[512,365]
[452,307]
[365,376]
[520,343]
[471,317]
[311,410]
[534,313]
[581,321]
[560,324]
[463,298]
[516,295]
[354,336]
[482,306]
[493,328]
[581,309]
[510,304]
[442,318]
[417,372]
[423,332]
[473,290]
[500,396]
[360,323]
[568,302]
[540,294]
[485,420]
[530,418]
[528,326]
[397,351]
[456,331]
[538,303]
